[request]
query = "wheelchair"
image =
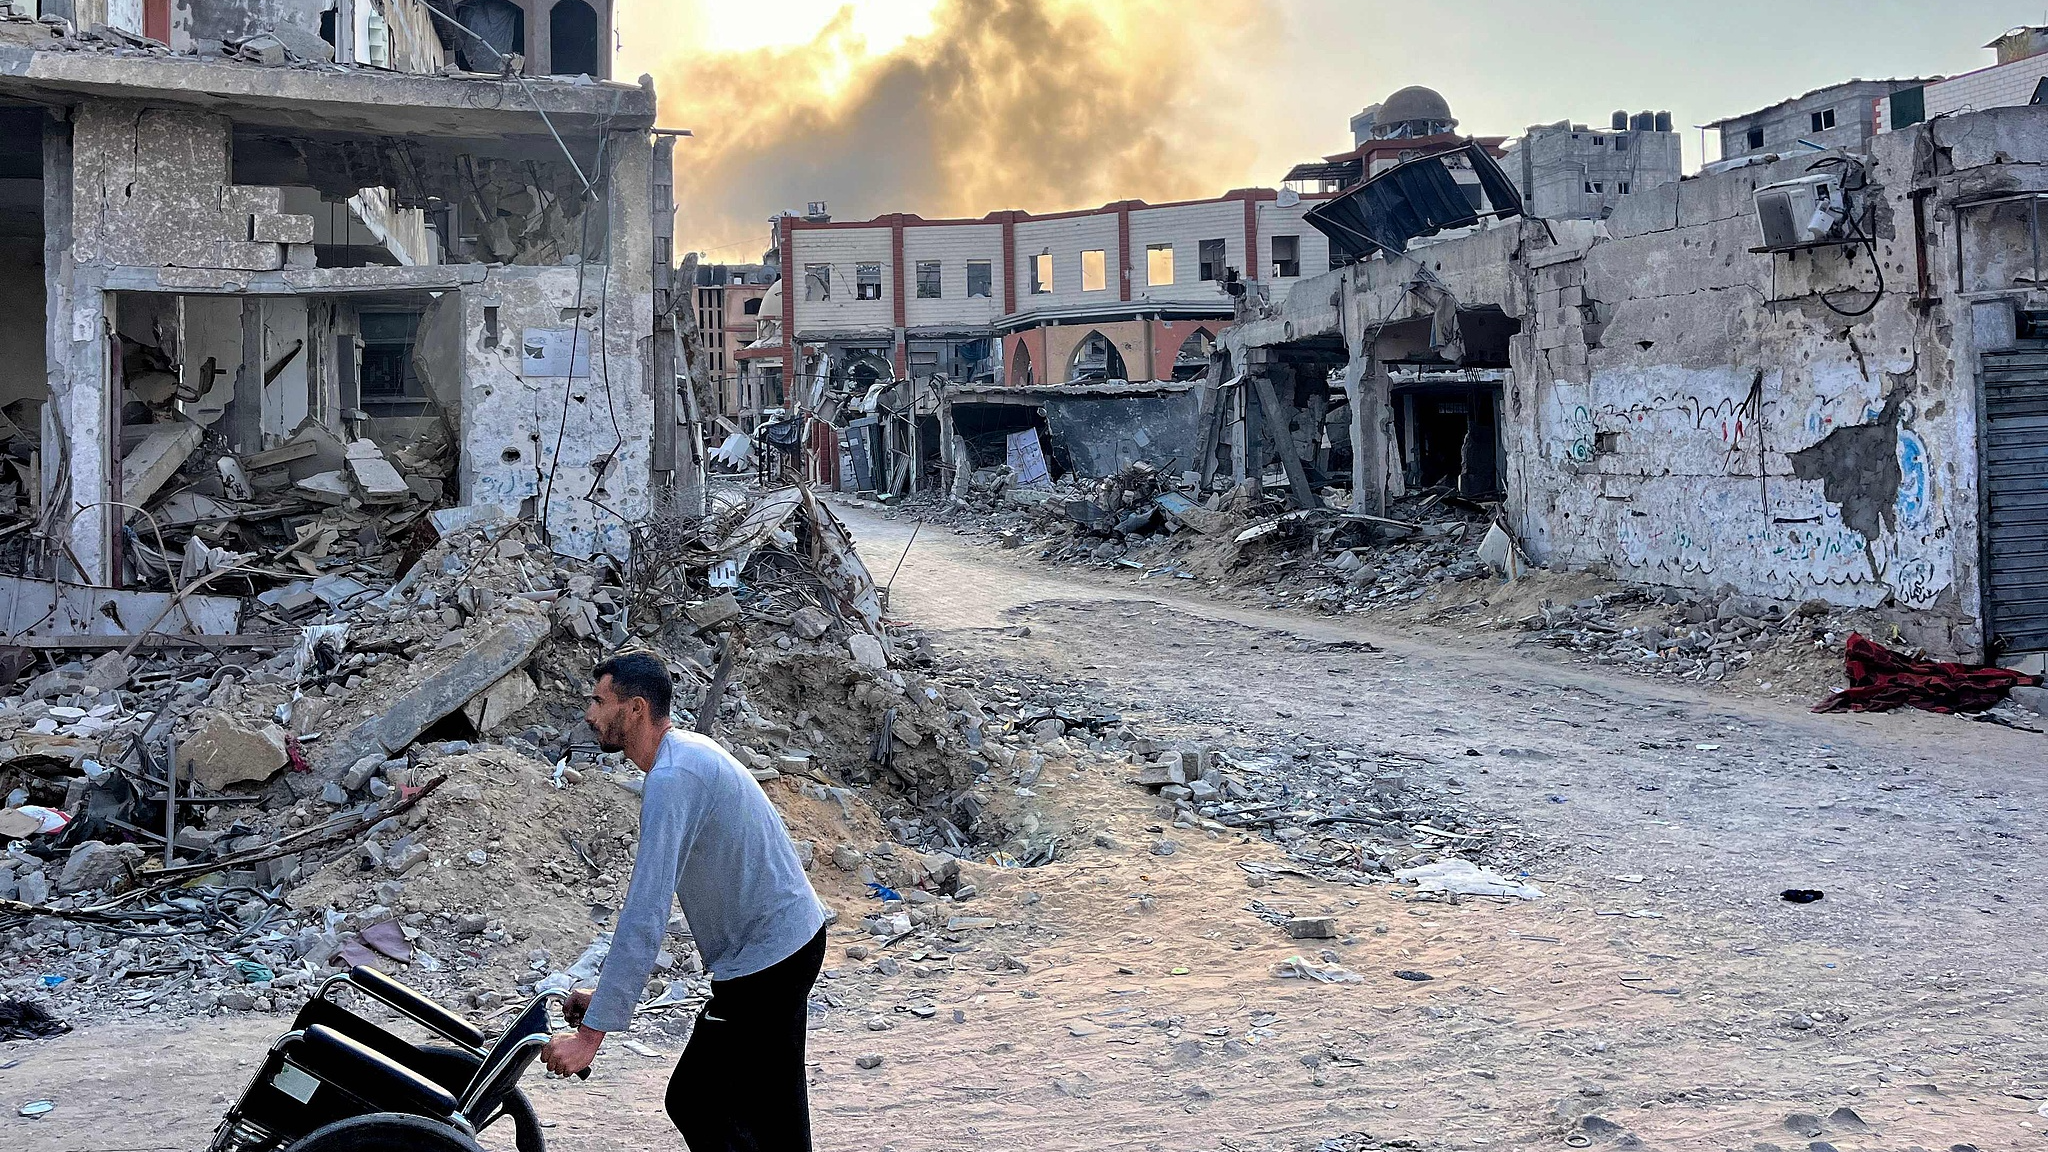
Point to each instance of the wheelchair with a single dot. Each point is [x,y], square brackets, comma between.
[337,1082]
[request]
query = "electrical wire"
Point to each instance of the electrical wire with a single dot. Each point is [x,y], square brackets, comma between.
[1856,233]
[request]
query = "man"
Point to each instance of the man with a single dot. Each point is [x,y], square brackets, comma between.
[710,838]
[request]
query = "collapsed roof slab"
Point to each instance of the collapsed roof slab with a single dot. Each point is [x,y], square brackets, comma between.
[336,98]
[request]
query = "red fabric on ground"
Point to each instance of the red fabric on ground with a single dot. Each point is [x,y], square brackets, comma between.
[1881,679]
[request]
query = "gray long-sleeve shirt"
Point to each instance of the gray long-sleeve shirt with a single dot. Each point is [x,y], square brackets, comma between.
[710,838]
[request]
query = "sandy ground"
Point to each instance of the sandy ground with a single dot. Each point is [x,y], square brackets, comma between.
[1661,985]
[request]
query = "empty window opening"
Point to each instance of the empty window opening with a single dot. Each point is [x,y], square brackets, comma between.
[1595,188]
[1621,143]
[1823,119]
[572,40]
[1211,253]
[928,280]
[500,23]
[1020,366]
[1756,138]
[1193,358]
[747,308]
[1094,270]
[817,281]
[1158,264]
[980,279]
[867,282]
[1096,358]
[1286,255]
[1622,187]
[388,372]
[1041,274]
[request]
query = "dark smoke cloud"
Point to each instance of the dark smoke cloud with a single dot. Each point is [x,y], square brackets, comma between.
[1043,105]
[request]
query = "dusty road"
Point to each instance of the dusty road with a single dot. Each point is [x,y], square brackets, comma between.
[1662,985]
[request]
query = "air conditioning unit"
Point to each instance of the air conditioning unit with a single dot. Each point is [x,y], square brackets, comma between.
[1809,210]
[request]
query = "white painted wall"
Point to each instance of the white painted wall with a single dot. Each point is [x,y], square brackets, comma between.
[287,400]
[844,249]
[952,245]
[1066,238]
[1185,227]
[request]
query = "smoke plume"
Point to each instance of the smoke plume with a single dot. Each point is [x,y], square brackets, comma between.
[1043,105]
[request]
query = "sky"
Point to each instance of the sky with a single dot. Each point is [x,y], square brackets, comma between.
[963,107]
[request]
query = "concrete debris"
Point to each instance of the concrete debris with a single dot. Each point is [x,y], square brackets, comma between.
[230,750]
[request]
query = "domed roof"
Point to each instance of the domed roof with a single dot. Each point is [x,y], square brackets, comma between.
[1415,103]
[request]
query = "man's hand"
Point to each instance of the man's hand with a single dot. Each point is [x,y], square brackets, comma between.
[575,1006]
[572,1052]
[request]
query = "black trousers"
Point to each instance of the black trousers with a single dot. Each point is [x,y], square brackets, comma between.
[740,1084]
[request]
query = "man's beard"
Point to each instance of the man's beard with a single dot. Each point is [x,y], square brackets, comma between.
[609,739]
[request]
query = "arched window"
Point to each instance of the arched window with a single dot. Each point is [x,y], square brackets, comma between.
[1096,358]
[572,40]
[1193,358]
[1020,366]
[752,307]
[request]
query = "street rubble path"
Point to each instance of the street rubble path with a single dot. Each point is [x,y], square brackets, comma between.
[1660,994]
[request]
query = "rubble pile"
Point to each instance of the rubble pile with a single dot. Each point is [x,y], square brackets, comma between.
[407,781]
[1435,559]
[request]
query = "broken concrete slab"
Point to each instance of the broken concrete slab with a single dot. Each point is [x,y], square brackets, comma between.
[379,482]
[867,651]
[811,623]
[149,464]
[230,750]
[715,611]
[326,487]
[95,864]
[506,649]
[43,608]
[1312,928]
[490,709]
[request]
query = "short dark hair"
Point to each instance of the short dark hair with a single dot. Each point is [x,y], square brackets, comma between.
[641,674]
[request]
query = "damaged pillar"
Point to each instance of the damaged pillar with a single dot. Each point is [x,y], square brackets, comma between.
[81,428]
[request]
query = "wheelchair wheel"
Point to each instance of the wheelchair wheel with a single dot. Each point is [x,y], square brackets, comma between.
[452,1068]
[384,1132]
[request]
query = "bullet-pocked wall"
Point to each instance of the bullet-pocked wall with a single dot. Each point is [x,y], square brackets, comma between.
[1684,411]
[558,394]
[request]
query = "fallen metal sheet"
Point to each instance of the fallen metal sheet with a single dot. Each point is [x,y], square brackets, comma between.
[43,608]
[1419,197]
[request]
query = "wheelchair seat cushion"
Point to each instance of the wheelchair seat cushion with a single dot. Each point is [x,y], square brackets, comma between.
[361,1071]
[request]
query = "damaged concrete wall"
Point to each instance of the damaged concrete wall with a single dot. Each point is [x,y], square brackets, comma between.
[525,393]
[1687,412]
[1683,411]
[1104,434]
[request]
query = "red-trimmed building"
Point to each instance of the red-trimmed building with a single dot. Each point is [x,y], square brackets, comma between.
[1129,291]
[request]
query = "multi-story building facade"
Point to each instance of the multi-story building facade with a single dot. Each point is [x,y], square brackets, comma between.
[1570,171]
[1129,291]
[1837,116]
[251,229]
[728,302]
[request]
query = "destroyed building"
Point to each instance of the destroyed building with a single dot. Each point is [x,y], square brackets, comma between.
[280,279]
[1810,378]
[875,311]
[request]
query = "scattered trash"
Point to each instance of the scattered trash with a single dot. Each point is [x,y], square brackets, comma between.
[27,1020]
[1466,879]
[1801,895]
[37,1109]
[1295,967]
[1412,974]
